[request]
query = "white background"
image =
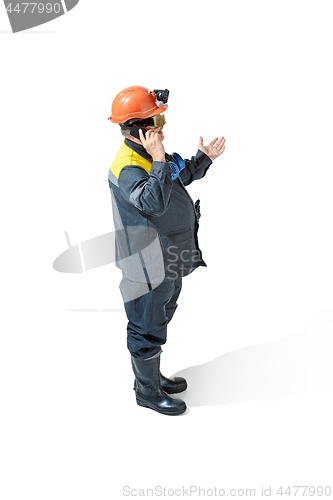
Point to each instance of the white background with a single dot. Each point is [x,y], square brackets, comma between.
[258,73]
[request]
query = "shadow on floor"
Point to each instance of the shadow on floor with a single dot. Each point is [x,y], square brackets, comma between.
[266,372]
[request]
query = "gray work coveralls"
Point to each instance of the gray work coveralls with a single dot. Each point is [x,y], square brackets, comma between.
[156,226]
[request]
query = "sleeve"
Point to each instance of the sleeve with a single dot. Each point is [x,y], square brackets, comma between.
[195,168]
[149,193]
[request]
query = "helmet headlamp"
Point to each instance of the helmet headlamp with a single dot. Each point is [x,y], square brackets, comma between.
[161,95]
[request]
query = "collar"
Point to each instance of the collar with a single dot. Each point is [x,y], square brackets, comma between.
[138,148]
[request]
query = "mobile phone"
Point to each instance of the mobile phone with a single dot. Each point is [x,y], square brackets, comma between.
[135,132]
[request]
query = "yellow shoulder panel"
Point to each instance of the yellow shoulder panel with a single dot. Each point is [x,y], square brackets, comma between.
[125,157]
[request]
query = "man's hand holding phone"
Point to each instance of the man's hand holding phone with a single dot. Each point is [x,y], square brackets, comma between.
[153,145]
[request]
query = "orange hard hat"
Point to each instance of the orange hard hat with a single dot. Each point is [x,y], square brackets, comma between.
[134,102]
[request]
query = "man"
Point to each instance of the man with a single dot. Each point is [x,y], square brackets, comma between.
[156,226]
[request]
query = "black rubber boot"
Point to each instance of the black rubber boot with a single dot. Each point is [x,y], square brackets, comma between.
[148,388]
[172,386]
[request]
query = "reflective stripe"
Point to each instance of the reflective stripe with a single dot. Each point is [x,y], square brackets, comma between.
[113,178]
[134,195]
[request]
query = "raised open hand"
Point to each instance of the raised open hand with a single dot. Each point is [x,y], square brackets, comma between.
[214,148]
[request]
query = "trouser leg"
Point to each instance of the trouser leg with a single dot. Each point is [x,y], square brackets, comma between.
[172,305]
[148,317]
[177,384]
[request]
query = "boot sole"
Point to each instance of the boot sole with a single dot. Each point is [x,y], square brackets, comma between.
[145,404]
